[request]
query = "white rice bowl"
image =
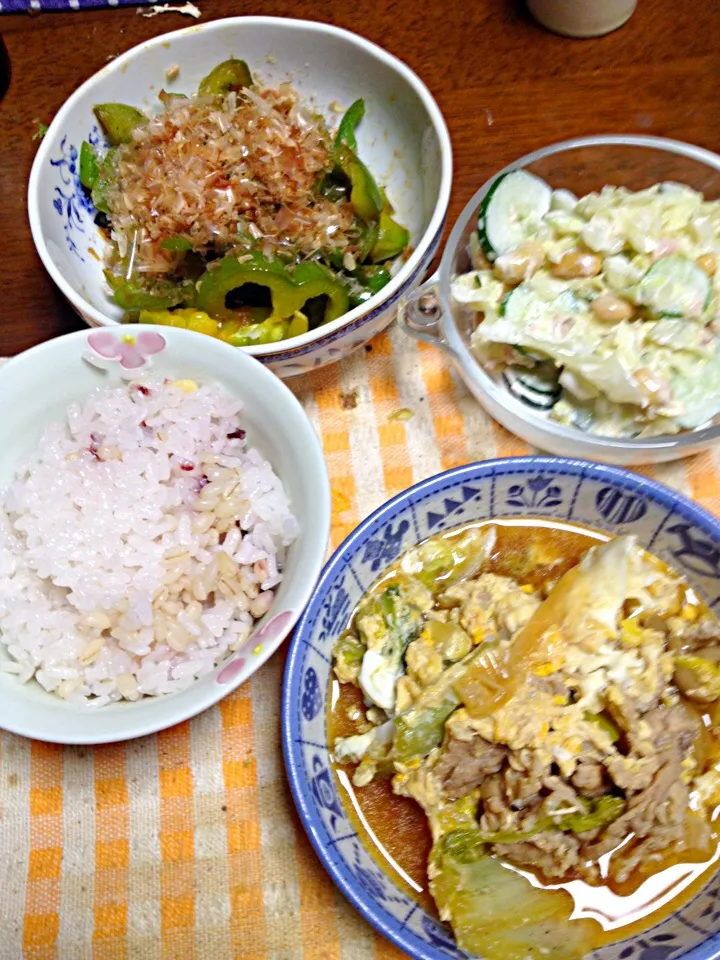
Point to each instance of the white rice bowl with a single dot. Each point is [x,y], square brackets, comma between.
[140,545]
[147,527]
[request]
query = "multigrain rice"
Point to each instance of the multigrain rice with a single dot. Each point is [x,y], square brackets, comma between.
[140,544]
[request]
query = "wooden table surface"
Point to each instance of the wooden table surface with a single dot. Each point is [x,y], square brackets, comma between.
[185,845]
[505,85]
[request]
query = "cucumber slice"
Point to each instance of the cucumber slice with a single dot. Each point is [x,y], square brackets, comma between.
[537,388]
[675,287]
[511,212]
[522,304]
[518,303]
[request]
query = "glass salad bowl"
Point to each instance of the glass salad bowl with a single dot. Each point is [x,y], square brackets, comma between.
[581,165]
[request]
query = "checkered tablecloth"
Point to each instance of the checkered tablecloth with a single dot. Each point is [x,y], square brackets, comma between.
[185,844]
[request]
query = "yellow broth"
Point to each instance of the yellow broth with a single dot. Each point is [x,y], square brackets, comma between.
[395,829]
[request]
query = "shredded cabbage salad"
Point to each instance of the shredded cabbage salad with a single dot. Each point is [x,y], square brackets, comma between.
[603,310]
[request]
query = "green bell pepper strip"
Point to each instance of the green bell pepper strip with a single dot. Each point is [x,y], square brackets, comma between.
[103,182]
[359,297]
[89,166]
[360,250]
[422,727]
[176,244]
[130,296]
[403,619]
[349,648]
[334,256]
[348,124]
[289,292]
[374,278]
[118,120]
[229,75]
[365,196]
[369,235]
[348,652]
[392,238]
[315,280]
[232,272]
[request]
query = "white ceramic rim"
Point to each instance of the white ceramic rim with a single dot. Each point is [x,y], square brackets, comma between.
[131,728]
[471,369]
[409,268]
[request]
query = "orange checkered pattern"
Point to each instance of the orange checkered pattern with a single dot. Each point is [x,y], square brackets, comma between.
[185,846]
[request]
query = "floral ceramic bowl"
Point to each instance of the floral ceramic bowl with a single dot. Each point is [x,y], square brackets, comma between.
[403,138]
[608,498]
[36,388]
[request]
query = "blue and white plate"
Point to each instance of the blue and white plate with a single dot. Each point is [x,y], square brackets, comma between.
[608,498]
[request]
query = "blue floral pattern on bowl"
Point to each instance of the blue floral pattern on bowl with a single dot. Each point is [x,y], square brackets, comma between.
[71,200]
[604,497]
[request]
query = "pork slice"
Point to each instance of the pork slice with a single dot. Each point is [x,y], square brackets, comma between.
[556,855]
[590,778]
[652,739]
[561,794]
[669,829]
[464,764]
[651,776]
[674,728]
[496,812]
[524,777]
[632,774]
[641,813]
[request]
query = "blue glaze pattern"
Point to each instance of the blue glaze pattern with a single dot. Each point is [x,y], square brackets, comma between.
[312,697]
[70,199]
[538,493]
[381,551]
[607,498]
[617,506]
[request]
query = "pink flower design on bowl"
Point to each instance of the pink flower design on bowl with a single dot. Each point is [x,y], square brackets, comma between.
[268,633]
[132,351]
